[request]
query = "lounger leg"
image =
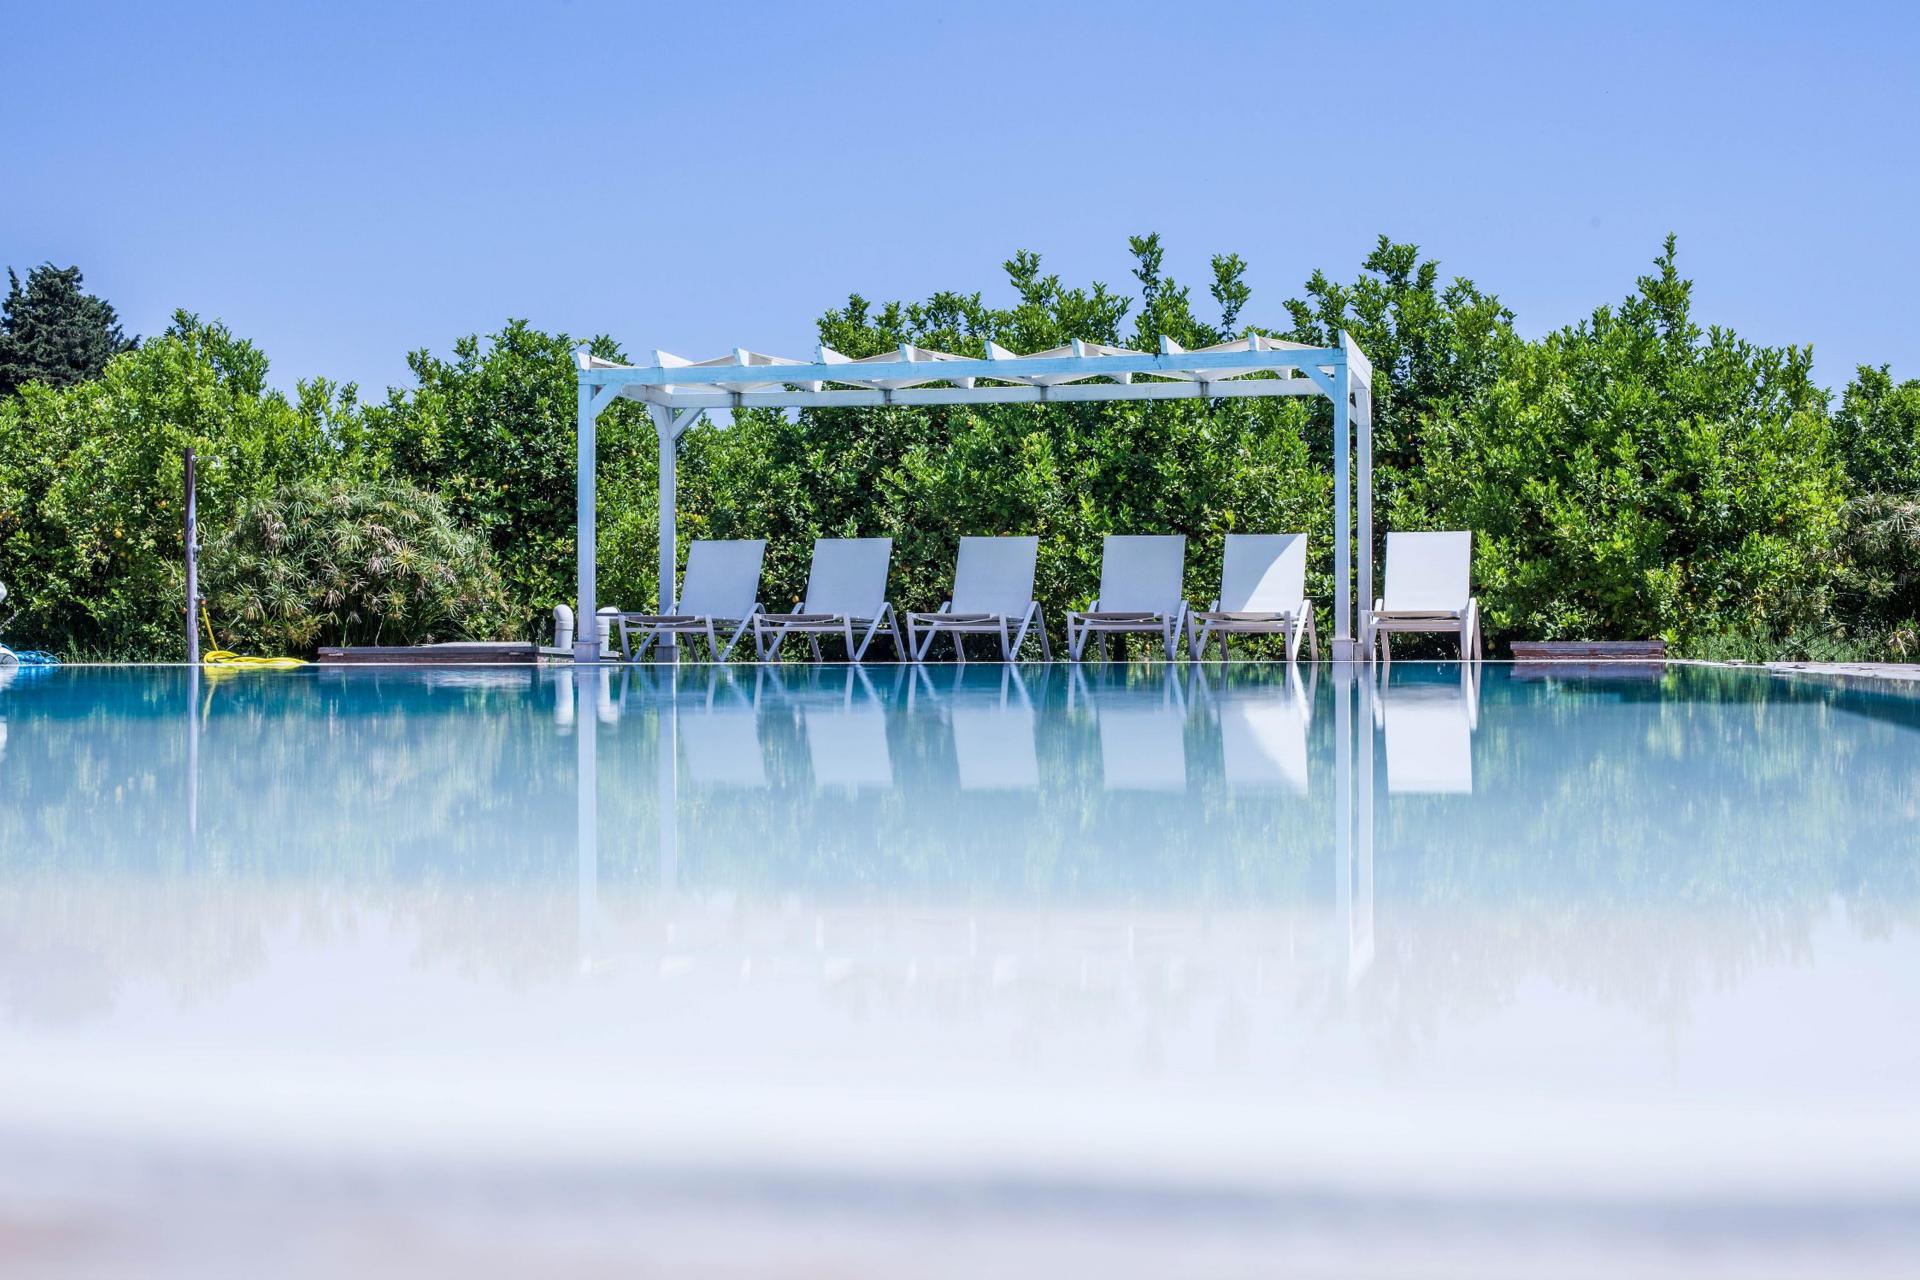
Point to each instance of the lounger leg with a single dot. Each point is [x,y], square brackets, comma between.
[893,629]
[1040,625]
[1006,642]
[854,654]
[1196,640]
[813,643]
[1076,640]
[734,639]
[1313,637]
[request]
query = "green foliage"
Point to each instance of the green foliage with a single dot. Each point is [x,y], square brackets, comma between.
[1877,429]
[90,482]
[492,431]
[53,333]
[1634,475]
[1434,350]
[348,561]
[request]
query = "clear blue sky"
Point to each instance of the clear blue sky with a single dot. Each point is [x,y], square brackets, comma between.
[345,182]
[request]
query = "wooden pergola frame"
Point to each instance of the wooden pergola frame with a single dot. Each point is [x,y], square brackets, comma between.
[678,391]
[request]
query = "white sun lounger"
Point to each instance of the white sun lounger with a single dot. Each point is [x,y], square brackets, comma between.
[1427,590]
[846,593]
[1263,591]
[1140,590]
[719,590]
[992,595]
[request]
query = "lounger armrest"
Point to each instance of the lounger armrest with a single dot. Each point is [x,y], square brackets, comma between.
[1215,606]
[946,606]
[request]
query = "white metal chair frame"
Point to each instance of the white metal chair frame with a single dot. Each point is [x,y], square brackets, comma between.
[973,621]
[1293,623]
[946,622]
[770,630]
[715,576]
[683,624]
[1381,621]
[1096,623]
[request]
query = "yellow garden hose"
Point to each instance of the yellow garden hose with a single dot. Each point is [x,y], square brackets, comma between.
[218,657]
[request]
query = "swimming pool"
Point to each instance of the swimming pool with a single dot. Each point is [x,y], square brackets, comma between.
[962,969]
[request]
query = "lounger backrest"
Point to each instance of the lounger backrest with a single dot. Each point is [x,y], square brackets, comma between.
[1428,571]
[995,575]
[849,576]
[722,578]
[1264,573]
[1141,573]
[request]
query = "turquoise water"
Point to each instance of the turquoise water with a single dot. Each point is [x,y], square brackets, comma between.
[1640,938]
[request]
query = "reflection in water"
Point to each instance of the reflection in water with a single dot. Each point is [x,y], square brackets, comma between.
[1428,721]
[1183,788]
[1192,878]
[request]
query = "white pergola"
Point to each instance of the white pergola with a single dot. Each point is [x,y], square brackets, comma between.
[677,391]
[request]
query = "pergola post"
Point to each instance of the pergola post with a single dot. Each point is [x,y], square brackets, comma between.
[1359,376]
[586,628]
[1344,648]
[669,457]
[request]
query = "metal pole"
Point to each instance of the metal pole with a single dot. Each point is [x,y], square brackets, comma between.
[586,633]
[192,536]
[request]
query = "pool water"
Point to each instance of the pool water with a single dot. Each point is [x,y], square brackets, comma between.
[1115,970]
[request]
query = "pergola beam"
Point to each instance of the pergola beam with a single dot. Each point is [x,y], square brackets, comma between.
[1091,366]
[1070,393]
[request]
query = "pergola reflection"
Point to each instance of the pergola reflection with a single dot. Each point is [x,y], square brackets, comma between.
[1158,731]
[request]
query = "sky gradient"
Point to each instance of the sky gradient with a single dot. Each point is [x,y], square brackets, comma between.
[344,183]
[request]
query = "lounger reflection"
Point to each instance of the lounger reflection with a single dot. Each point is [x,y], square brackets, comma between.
[1263,731]
[1429,729]
[1143,728]
[720,735]
[847,731]
[990,714]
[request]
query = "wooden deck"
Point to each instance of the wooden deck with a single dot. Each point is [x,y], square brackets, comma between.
[460,654]
[1589,650]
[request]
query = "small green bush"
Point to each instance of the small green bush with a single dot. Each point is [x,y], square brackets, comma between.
[351,562]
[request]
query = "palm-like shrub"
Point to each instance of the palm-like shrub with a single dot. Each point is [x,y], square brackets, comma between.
[351,562]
